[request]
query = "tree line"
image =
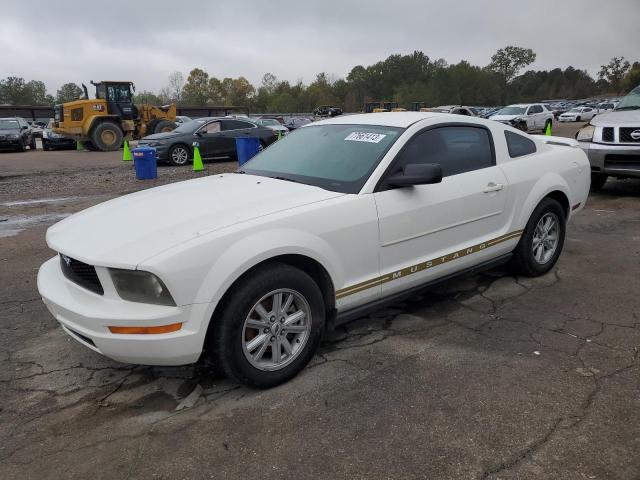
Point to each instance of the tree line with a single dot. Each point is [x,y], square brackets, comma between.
[399,78]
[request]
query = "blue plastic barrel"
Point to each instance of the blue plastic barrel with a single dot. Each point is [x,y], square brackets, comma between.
[247,148]
[144,159]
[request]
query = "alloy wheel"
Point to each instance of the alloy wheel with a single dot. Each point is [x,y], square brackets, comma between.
[276,330]
[179,155]
[545,238]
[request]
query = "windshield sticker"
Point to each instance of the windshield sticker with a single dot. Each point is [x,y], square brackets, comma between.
[365,137]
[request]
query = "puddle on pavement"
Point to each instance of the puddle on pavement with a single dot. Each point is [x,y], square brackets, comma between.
[13,225]
[37,201]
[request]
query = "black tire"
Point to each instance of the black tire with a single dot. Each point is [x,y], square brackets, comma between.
[225,339]
[21,146]
[45,146]
[176,158]
[89,146]
[151,126]
[598,180]
[32,145]
[164,126]
[577,119]
[107,137]
[523,259]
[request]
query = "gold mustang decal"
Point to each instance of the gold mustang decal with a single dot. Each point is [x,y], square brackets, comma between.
[358,287]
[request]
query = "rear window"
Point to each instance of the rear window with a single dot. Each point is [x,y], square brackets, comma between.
[519,145]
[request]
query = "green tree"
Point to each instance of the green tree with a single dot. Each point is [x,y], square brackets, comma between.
[68,92]
[508,61]
[196,89]
[614,72]
[632,78]
[148,97]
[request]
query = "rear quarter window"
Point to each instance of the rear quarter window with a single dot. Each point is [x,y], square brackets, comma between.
[519,145]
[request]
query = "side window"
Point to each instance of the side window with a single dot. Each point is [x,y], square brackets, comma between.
[587,109]
[212,127]
[518,145]
[535,109]
[456,149]
[235,125]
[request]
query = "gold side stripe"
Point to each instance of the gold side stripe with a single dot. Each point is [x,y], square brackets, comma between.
[389,277]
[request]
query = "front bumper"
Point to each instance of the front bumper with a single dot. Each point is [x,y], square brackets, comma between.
[10,143]
[86,316]
[615,160]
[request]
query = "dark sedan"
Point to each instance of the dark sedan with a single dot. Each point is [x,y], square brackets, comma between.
[15,134]
[216,138]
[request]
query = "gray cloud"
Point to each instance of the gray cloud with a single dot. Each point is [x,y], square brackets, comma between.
[146,40]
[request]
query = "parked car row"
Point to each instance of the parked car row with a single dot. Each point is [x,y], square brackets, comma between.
[526,117]
[16,134]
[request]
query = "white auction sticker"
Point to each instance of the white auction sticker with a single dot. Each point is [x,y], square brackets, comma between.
[365,137]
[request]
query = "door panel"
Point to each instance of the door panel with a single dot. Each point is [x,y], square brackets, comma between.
[426,231]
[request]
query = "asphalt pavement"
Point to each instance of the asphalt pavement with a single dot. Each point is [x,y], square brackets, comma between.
[490,376]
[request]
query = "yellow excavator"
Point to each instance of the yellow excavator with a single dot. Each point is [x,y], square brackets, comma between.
[104,122]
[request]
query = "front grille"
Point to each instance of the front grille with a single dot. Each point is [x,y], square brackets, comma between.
[81,273]
[622,162]
[625,134]
[607,134]
[3,137]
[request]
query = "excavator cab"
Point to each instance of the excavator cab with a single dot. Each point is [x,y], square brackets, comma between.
[119,98]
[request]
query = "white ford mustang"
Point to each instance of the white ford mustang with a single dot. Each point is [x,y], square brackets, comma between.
[341,216]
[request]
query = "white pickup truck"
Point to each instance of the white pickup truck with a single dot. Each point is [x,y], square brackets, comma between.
[526,117]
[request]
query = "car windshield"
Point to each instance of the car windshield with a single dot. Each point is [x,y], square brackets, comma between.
[339,158]
[190,126]
[512,111]
[8,124]
[631,101]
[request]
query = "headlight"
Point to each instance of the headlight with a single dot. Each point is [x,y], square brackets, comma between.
[142,287]
[585,134]
[157,143]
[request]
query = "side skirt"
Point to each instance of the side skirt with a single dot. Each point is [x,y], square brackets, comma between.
[362,310]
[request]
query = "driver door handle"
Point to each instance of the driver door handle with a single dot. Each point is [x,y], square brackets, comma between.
[493,187]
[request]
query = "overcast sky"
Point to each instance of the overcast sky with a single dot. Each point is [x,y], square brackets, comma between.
[144,40]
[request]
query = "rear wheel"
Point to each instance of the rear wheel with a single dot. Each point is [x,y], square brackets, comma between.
[179,155]
[164,126]
[107,136]
[598,180]
[542,240]
[269,327]
[88,145]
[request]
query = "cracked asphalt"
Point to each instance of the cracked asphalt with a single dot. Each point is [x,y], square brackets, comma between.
[486,377]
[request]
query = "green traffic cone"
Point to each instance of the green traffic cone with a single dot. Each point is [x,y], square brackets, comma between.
[279,134]
[548,129]
[79,146]
[126,155]
[197,160]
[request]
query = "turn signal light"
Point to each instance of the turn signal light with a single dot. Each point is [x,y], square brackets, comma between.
[174,327]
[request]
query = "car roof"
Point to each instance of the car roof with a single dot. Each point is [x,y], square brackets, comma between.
[387,119]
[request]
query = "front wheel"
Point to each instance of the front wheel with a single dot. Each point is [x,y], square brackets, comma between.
[542,240]
[179,155]
[269,327]
[577,119]
[107,137]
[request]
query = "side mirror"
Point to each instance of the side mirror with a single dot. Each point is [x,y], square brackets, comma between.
[417,174]
[199,133]
[24,127]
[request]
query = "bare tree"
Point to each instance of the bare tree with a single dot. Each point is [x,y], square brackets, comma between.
[176,82]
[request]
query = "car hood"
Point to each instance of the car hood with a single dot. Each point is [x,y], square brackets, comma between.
[161,136]
[503,117]
[127,230]
[630,118]
[8,131]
